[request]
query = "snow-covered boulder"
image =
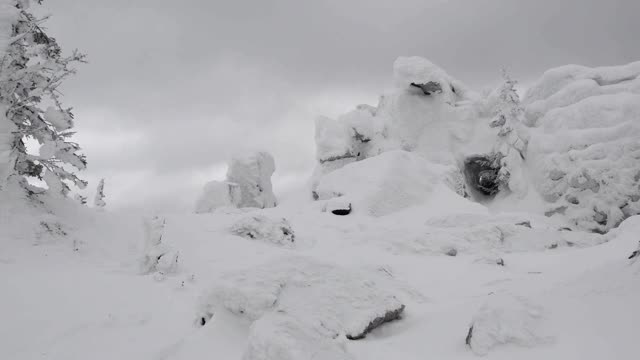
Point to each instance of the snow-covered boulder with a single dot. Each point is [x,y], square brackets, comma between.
[505,319]
[279,336]
[298,301]
[252,173]
[6,146]
[258,227]
[218,194]
[585,159]
[383,184]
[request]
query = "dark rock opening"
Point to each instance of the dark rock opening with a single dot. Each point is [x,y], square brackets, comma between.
[481,174]
[429,88]
[342,212]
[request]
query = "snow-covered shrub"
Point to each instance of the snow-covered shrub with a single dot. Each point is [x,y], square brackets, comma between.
[325,299]
[218,194]
[252,173]
[158,257]
[31,70]
[263,228]
[99,199]
[383,184]
[505,319]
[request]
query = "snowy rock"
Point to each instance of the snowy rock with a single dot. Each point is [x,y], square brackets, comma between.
[422,74]
[58,118]
[320,299]
[218,194]
[252,173]
[383,184]
[505,319]
[585,159]
[262,228]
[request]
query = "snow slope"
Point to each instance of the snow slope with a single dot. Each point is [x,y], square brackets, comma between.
[82,295]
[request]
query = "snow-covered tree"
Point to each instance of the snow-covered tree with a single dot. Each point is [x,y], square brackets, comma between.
[511,146]
[99,199]
[31,71]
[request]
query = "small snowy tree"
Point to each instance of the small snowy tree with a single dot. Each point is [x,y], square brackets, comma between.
[31,71]
[99,199]
[511,146]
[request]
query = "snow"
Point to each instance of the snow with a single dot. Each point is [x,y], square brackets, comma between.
[262,228]
[58,118]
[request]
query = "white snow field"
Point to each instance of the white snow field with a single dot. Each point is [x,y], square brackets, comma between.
[407,245]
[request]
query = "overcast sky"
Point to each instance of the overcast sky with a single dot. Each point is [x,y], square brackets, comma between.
[175,88]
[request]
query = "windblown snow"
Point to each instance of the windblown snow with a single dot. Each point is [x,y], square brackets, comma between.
[393,252]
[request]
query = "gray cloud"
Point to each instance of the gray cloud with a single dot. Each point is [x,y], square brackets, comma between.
[174,88]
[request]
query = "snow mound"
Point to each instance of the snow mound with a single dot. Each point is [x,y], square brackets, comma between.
[218,194]
[301,295]
[585,160]
[252,173]
[505,319]
[383,184]
[260,227]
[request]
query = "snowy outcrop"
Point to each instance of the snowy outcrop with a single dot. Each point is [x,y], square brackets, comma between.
[218,194]
[299,302]
[585,155]
[424,113]
[252,173]
[248,185]
[383,184]
[259,227]
[505,319]
[98,201]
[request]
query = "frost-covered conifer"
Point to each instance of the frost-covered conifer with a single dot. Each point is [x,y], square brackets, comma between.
[511,146]
[32,68]
[99,199]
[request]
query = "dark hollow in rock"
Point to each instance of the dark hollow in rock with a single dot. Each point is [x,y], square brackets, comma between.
[469,335]
[429,88]
[342,212]
[565,229]
[451,252]
[481,174]
[500,261]
[553,246]
[634,254]
[525,224]
[388,316]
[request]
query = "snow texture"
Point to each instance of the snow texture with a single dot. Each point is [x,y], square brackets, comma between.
[252,173]
[218,194]
[505,319]
[266,229]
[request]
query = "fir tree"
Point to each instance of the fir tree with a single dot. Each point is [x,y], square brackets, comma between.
[31,72]
[511,146]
